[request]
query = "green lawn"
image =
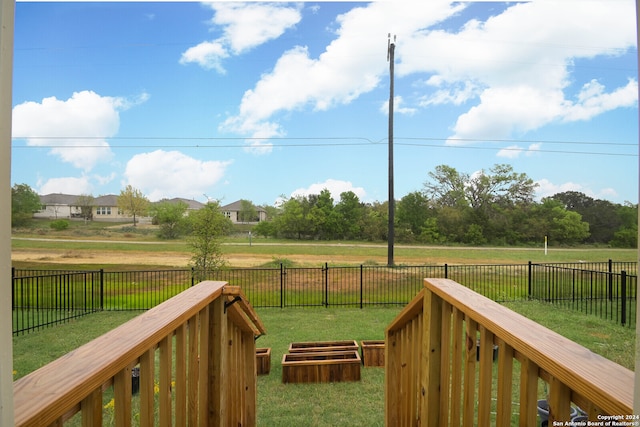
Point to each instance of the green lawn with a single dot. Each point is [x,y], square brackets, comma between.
[358,403]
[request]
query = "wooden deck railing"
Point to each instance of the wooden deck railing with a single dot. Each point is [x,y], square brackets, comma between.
[196,359]
[434,377]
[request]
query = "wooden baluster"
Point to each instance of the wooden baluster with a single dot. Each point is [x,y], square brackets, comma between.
[122,397]
[445,364]
[484,381]
[203,369]
[505,383]
[469,400]
[91,407]
[528,393]
[147,382]
[164,397]
[181,376]
[456,374]
[559,401]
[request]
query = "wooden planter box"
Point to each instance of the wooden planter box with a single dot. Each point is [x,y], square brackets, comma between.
[373,353]
[321,367]
[322,346]
[263,361]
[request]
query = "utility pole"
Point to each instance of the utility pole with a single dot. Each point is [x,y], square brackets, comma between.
[391,47]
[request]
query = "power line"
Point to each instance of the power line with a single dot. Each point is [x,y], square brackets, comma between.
[325,142]
[319,138]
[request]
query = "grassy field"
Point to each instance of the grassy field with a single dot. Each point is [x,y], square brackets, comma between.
[357,404]
[323,404]
[101,245]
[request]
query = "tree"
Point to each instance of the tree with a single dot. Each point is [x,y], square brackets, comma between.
[413,212]
[248,212]
[627,235]
[133,202]
[24,203]
[292,221]
[322,218]
[208,225]
[601,215]
[350,213]
[559,224]
[170,217]
[376,221]
[85,202]
[447,186]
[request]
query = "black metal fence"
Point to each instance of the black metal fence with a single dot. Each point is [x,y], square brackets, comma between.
[45,297]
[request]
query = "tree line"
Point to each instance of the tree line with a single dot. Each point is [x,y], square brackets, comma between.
[495,207]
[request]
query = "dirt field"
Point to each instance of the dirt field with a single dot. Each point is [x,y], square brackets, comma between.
[168,259]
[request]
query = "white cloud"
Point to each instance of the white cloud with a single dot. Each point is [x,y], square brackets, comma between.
[547,188]
[514,151]
[516,64]
[592,100]
[76,130]
[510,152]
[245,26]
[208,55]
[398,107]
[335,187]
[161,174]
[350,65]
[66,185]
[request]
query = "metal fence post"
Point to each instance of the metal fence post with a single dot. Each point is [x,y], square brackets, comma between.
[326,284]
[101,289]
[530,279]
[610,280]
[623,296]
[281,285]
[446,271]
[361,274]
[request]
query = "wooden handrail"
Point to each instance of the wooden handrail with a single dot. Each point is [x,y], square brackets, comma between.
[432,359]
[49,394]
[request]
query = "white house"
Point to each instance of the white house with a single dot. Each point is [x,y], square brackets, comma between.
[58,205]
[233,212]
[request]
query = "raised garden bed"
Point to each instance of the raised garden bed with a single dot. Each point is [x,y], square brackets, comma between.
[323,346]
[263,361]
[319,367]
[372,353]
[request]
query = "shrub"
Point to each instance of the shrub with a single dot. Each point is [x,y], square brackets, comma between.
[59,224]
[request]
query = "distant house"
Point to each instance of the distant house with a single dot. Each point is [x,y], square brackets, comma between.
[105,208]
[57,205]
[233,212]
[192,205]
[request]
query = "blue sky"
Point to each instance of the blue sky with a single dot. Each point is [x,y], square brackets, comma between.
[260,100]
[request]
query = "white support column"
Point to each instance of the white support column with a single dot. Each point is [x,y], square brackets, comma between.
[7,12]
[636,391]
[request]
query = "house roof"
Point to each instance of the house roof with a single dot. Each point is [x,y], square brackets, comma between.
[58,199]
[112,200]
[106,200]
[72,200]
[192,204]
[237,207]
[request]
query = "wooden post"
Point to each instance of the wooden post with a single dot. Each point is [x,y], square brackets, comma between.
[218,349]
[431,360]
[7,12]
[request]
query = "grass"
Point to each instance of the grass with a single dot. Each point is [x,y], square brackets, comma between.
[358,403]
[321,404]
[120,238]
[332,404]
